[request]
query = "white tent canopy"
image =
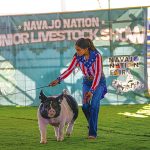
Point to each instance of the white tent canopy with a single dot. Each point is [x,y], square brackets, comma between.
[11,7]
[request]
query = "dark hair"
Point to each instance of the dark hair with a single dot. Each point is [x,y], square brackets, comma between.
[85,43]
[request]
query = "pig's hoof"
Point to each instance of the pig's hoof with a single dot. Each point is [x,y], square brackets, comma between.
[60,139]
[68,134]
[43,142]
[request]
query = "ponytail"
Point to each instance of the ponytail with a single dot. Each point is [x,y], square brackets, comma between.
[91,45]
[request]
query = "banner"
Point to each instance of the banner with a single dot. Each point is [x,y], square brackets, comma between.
[35,49]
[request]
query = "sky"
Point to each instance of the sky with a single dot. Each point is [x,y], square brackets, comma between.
[12,7]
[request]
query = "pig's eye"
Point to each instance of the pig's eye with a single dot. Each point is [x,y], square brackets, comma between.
[46,105]
[55,104]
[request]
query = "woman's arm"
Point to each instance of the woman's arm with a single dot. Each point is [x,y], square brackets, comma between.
[66,73]
[69,70]
[98,72]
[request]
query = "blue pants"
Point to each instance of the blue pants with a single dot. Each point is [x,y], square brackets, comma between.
[91,110]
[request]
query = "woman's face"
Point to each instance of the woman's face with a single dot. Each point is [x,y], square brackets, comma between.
[81,51]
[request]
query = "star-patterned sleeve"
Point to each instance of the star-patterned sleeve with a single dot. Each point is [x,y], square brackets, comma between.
[69,70]
[98,72]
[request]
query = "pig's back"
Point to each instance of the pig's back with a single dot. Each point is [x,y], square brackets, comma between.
[73,105]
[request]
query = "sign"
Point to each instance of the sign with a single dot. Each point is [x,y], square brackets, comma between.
[35,48]
[120,65]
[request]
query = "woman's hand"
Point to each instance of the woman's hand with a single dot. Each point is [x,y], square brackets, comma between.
[87,97]
[54,83]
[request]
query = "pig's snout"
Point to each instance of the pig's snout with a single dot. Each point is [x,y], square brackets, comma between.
[51,112]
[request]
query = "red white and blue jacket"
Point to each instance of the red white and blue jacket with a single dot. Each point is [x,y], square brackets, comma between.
[90,68]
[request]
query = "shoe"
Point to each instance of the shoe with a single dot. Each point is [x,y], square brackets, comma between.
[92,137]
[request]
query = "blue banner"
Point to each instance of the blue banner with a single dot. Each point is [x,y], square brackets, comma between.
[35,49]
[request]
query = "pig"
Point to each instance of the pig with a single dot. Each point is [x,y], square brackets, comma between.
[57,111]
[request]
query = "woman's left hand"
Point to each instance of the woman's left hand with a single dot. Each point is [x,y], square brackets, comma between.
[87,97]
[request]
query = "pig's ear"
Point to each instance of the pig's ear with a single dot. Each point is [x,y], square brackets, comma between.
[65,92]
[42,97]
[59,98]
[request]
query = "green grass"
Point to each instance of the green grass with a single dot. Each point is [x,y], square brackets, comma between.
[19,131]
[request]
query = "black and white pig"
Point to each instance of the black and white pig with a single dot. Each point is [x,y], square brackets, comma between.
[57,111]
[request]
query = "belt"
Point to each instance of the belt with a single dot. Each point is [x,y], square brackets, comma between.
[90,78]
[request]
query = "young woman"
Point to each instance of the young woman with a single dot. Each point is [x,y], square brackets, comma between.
[94,84]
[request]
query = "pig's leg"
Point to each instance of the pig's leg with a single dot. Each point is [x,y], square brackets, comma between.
[42,128]
[61,132]
[69,128]
[56,132]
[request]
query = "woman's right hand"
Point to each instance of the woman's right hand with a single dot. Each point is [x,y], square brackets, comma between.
[54,83]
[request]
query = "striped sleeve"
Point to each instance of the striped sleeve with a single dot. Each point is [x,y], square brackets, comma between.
[69,70]
[98,72]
